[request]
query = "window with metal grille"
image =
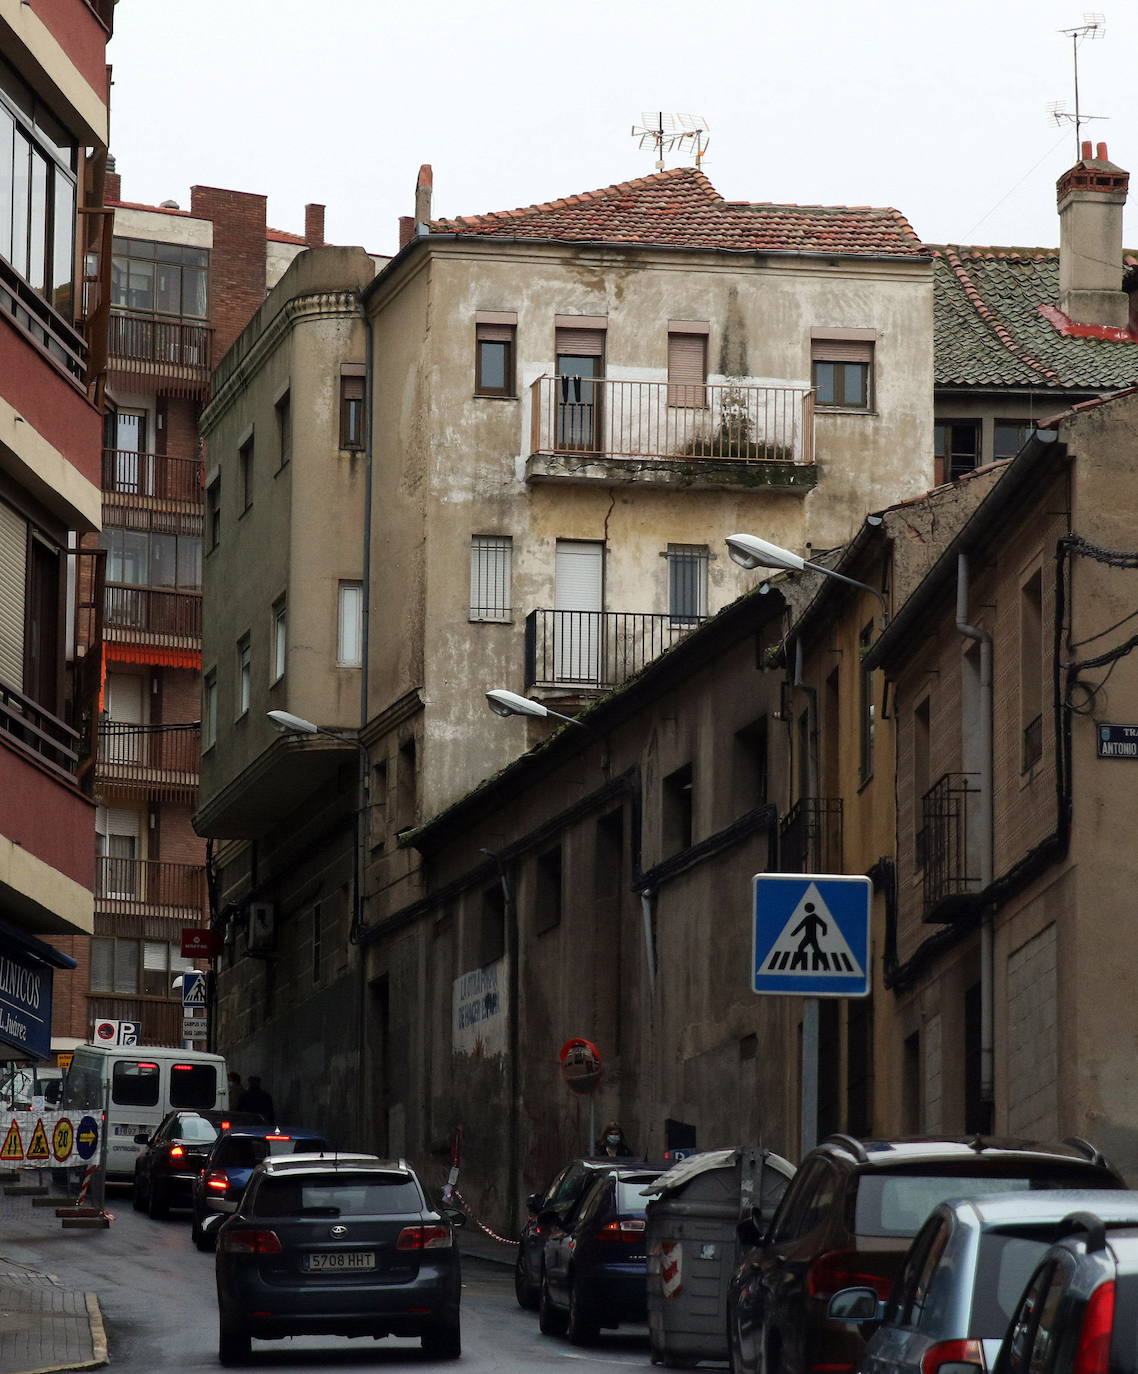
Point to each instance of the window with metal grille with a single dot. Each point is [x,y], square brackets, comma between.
[491,570]
[687,582]
[842,372]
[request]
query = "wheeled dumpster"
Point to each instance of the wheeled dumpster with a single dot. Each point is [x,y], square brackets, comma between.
[692,1246]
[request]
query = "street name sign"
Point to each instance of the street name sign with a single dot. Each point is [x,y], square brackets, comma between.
[811,934]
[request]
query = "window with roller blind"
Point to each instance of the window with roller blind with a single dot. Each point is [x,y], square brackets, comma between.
[687,367]
[352,401]
[842,372]
[494,355]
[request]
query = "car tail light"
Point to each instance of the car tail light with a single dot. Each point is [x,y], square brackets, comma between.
[424,1238]
[1093,1353]
[176,1152]
[953,1357]
[218,1181]
[278,1137]
[250,1242]
[628,1229]
[839,1269]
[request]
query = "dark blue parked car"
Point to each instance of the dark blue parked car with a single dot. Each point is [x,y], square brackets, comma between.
[596,1267]
[229,1164]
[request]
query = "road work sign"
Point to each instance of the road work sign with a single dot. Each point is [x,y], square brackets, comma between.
[33,1139]
[811,934]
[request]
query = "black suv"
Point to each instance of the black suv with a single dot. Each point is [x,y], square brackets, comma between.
[1077,1314]
[563,1196]
[846,1222]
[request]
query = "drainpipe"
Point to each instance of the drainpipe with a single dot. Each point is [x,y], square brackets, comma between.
[987,781]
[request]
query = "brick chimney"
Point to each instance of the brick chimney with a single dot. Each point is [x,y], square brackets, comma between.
[1091,195]
[237,261]
[314,226]
[112,182]
[423,188]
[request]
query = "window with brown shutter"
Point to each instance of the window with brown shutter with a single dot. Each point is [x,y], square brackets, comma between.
[842,373]
[494,359]
[687,369]
[351,411]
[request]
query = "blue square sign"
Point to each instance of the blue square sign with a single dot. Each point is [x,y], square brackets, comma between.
[811,934]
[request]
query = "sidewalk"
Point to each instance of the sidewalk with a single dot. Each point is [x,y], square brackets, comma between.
[43,1325]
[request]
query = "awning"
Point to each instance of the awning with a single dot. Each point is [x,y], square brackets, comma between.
[38,950]
[157,656]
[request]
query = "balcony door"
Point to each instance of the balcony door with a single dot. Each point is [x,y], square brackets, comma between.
[124,703]
[578,598]
[580,365]
[116,844]
[129,434]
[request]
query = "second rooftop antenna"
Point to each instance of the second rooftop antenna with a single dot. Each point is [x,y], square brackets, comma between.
[1093,26]
[663,132]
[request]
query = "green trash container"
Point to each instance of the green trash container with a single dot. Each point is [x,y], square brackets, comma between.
[692,1246]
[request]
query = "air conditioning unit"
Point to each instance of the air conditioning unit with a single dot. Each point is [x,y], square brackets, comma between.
[259,938]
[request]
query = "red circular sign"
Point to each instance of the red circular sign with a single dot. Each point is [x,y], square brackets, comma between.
[106,1030]
[581,1065]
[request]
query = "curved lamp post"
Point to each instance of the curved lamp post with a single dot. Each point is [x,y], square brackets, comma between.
[749,551]
[504,703]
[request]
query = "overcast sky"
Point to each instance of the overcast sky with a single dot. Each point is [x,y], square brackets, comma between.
[937,110]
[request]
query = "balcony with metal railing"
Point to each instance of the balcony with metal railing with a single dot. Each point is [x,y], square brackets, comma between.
[147,887]
[711,434]
[152,616]
[810,836]
[596,649]
[942,849]
[157,761]
[171,352]
[126,472]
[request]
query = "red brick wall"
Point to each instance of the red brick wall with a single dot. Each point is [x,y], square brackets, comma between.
[178,437]
[181,696]
[69,1009]
[179,844]
[237,262]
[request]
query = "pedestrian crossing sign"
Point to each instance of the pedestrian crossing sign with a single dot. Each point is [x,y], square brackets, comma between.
[811,934]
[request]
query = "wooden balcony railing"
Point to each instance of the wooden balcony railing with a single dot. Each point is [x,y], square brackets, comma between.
[942,848]
[147,614]
[595,648]
[665,420]
[52,741]
[810,837]
[129,473]
[137,887]
[172,351]
[155,759]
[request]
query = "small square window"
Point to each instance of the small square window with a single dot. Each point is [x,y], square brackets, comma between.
[842,373]
[956,448]
[1010,436]
[494,359]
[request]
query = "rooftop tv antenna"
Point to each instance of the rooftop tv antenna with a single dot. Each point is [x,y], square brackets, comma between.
[667,131]
[1093,26]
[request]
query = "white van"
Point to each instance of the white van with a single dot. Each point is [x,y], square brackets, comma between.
[145,1081]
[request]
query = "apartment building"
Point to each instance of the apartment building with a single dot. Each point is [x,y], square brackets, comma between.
[183,283]
[53,297]
[558,413]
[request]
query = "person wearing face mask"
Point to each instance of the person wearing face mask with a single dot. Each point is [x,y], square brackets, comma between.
[612,1142]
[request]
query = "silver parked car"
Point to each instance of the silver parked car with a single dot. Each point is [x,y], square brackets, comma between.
[963,1276]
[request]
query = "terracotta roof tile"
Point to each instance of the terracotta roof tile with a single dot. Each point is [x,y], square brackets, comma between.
[681,207]
[997,324]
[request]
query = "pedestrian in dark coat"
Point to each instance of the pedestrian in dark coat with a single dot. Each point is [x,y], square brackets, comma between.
[612,1142]
[256,1099]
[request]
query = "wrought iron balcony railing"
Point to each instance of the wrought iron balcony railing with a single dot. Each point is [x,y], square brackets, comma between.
[667,420]
[156,759]
[810,837]
[172,350]
[147,614]
[129,473]
[139,887]
[596,648]
[942,848]
[53,742]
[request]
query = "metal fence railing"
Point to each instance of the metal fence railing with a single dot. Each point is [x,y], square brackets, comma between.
[596,648]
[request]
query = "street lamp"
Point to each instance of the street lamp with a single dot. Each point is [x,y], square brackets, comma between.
[749,551]
[288,724]
[504,703]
